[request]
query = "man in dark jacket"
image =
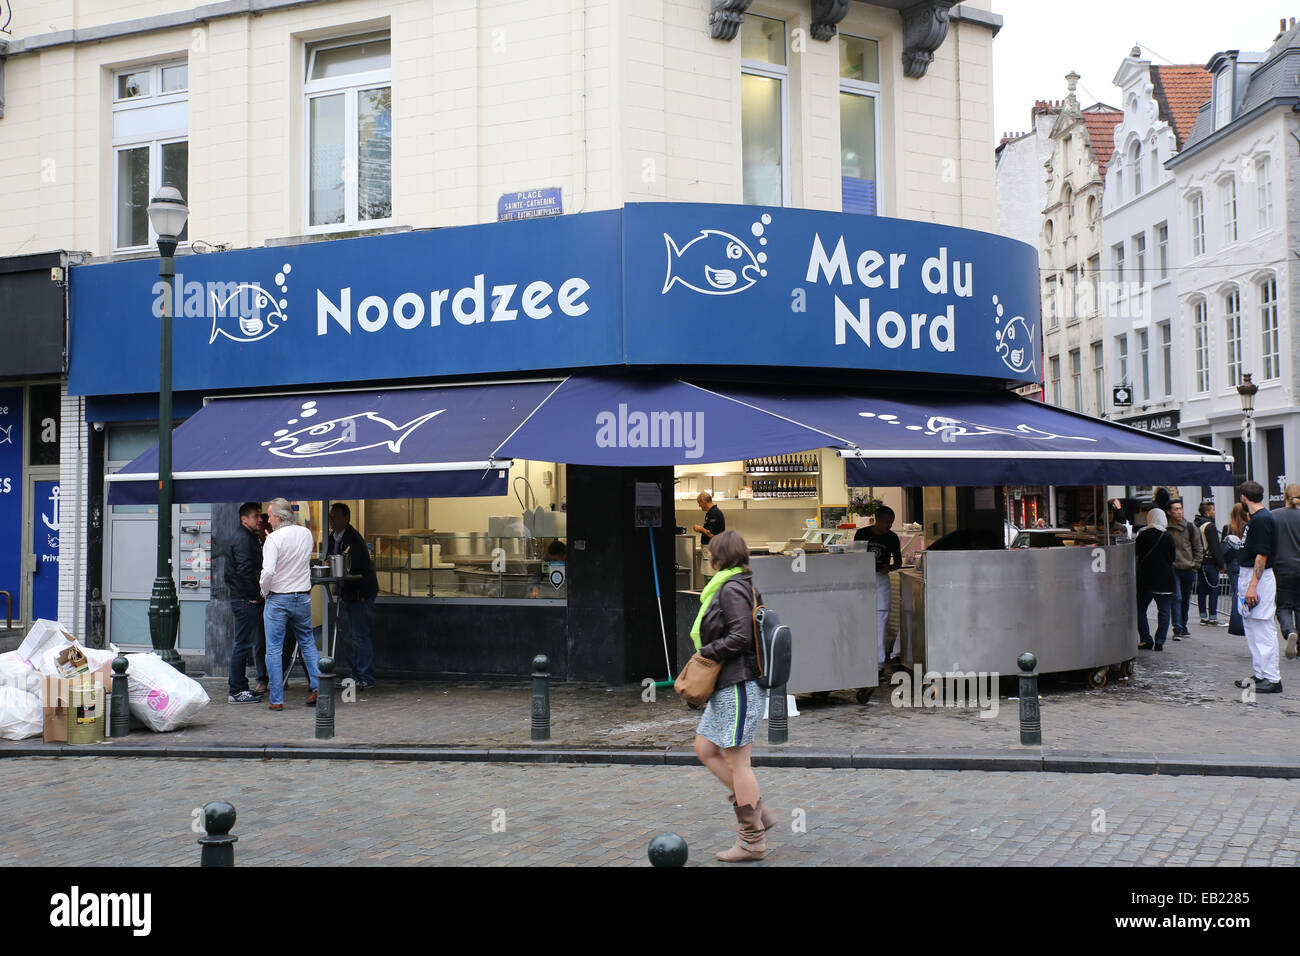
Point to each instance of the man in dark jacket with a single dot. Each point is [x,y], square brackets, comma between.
[358,596]
[1188,553]
[1212,565]
[243,568]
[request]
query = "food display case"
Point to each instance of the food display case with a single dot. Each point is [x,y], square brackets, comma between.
[433,564]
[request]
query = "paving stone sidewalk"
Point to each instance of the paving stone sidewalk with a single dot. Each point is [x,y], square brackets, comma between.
[1178,701]
[381,813]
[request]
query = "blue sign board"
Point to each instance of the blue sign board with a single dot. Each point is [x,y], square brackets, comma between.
[45,545]
[530,204]
[636,286]
[802,288]
[11,492]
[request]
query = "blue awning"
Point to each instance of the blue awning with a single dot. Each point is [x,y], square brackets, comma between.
[458,440]
[427,442]
[630,421]
[987,438]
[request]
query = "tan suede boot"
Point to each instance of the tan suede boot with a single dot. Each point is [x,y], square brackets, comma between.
[764,813]
[751,843]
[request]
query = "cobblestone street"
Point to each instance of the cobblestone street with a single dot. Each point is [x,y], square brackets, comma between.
[387,813]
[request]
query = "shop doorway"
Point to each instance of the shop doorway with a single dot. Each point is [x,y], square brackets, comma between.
[41,557]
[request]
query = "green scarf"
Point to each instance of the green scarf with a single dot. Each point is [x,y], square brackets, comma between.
[713,587]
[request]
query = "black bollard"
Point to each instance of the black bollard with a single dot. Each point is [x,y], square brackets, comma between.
[778,716]
[667,849]
[325,699]
[119,709]
[541,698]
[1031,724]
[218,845]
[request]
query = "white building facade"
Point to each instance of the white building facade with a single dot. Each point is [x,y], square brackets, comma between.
[1239,222]
[1146,339]
[1070,248]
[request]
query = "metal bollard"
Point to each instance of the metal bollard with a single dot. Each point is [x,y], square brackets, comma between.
[667,849]
[119,707]
[778,716]
[218,845]
[541,698]
[1031,724]
[325,699]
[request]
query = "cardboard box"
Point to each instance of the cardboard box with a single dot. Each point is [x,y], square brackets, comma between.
[55,696]
[43,635]
[71,661]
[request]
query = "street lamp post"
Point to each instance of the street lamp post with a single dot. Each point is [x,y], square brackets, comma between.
[1247,390]
[167,215]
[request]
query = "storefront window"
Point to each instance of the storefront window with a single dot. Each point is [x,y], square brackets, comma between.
[511,547]
[349,132]
[763,110]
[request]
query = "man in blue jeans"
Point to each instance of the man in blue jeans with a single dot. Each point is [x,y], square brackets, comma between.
[359,596]
[1188,553]
[286,583]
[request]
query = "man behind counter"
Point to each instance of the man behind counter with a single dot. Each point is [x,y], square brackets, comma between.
[889,557]
[714,522]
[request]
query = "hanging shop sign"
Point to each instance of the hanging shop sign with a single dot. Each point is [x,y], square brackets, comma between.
[636,286]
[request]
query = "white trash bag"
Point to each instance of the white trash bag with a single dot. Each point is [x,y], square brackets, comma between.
[162,698]
[18,673]
[20,714]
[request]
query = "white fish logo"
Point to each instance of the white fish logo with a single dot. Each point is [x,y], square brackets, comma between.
[1015,341]
[250,328]
[950,429]
[357,432]
[716,262]
[5,437]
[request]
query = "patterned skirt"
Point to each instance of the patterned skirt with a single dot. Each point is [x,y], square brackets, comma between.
[732,715]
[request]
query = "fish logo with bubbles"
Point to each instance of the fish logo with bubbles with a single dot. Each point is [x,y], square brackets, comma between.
[716,262]
[1015,341]
[243,321]
[347,433]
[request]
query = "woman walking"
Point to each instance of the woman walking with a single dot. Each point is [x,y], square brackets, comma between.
[1234,534]
[724,632]
[1155,578]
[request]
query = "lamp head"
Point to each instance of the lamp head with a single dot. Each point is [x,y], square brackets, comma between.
[168,212]
[1247,390]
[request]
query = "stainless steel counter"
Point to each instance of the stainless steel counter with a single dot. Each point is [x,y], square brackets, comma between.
[1074,608]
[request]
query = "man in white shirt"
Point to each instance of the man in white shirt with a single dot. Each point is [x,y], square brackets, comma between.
[286,583]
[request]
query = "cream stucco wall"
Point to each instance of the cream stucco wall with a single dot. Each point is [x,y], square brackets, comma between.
[612,101]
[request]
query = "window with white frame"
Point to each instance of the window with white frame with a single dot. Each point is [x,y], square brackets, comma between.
[1167,356]
[1076,378]
[1232,335]
[1264,192]
[1121,349]
[1051,302]
[1155,166]
[150,146]
[1228,192]
[1094,279]
[1201,345]
[859,124]
[1222,97]
[1099,372]
[1140,256]
[1135,160]
[1268,327]
[1117,257]
[763,111]
[349,133]
[1162,248]
[1144,363]
[1196,212]
[1055,366]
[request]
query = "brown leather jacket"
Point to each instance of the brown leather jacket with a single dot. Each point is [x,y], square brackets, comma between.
[727,631]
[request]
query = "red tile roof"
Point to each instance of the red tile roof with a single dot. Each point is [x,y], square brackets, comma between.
[1179,91]
[1101,121]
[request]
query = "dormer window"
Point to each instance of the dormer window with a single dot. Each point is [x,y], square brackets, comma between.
[1223,97]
